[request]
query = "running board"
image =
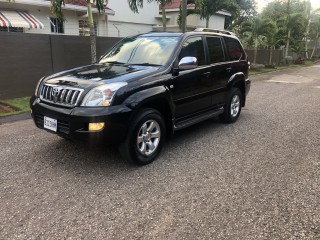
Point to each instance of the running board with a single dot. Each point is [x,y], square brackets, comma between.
[197,119]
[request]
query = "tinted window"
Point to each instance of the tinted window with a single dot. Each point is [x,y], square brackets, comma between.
[193,47]
[215,50]
[234,49]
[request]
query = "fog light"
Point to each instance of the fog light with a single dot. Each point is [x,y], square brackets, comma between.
[96,126]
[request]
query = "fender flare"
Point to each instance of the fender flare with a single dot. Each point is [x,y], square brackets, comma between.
[235,78]
[136,100]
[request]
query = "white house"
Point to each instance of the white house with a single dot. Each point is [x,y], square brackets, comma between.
[217,21]
[34,16]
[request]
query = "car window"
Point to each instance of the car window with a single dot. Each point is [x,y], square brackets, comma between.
[234,49]
[142,50]
[215,48]
[193,47]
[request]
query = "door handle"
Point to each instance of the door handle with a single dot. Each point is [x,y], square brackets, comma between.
[229,69]
[207,74]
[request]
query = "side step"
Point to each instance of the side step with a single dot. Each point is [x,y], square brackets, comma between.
[199,118]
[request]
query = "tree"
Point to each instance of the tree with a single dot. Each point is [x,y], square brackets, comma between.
[294,21]
[257,28]
[291,18]
[271,39]
[56,8]
[136,4]
[247,8]
[315,32]
[208,8]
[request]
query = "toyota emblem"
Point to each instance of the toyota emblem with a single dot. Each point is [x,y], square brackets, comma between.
[55,93]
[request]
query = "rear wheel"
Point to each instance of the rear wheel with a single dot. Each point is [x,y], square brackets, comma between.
[233,107]
[145,137]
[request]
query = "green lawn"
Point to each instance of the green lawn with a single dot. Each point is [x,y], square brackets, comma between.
[20,104]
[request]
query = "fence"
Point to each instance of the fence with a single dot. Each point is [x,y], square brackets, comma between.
[263,56]
[25,58]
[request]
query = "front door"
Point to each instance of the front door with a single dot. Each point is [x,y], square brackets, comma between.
[191,88]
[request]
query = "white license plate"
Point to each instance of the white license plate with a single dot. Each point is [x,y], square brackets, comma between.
[50,123]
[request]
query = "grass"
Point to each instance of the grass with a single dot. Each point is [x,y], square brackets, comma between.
[20,105]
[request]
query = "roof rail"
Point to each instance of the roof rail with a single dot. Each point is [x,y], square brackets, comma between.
[214,30]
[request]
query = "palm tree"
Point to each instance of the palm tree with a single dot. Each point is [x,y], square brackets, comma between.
[256,28]
[135,4]
[295,20]
[315,32]
[271,37]
[56,8]
[208,8]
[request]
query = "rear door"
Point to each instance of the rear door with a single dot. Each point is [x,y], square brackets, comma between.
[219,68]
[236,57]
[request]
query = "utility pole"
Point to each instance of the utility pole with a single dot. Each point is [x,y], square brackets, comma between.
[184,16]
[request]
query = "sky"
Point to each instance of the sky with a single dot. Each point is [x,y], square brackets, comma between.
[262,3]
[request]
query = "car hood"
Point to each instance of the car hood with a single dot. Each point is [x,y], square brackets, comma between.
[96,74]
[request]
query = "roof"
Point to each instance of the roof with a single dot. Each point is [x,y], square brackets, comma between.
[161,34]
[82,3]
[175,5]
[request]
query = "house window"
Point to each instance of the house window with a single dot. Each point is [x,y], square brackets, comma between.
[56,25]
[11,29]
[84,29]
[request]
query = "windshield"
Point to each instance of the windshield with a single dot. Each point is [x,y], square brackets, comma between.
[155,51]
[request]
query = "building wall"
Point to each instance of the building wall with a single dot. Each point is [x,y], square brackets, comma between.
[130,23]
[216,21]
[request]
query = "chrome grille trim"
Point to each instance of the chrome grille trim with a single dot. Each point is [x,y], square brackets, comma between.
[60,95]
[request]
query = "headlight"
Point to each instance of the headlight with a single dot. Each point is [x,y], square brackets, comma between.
[37,87]
[102,95]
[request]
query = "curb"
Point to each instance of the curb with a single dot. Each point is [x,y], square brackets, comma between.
[14,118]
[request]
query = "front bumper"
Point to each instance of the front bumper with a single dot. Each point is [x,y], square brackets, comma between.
[73,122]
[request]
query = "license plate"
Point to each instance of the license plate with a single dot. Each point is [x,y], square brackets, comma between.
[50,123]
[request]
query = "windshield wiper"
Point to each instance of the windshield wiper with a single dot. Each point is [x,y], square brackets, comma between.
[146,64]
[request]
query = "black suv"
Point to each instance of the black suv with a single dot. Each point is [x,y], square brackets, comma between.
[145,88]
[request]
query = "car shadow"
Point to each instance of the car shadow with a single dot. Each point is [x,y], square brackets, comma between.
[79,157]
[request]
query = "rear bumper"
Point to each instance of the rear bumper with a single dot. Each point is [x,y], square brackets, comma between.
[73,123]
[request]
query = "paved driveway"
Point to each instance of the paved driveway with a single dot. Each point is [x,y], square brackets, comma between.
[256,179]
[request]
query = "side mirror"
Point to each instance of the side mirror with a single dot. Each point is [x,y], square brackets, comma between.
[188,63]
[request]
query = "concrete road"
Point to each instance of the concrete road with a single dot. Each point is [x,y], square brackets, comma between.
[256,179]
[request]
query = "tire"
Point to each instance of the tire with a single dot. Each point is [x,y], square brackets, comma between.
[233,107]
[146,132]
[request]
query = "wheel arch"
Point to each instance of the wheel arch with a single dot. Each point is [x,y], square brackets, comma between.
[238,81]
[158,98]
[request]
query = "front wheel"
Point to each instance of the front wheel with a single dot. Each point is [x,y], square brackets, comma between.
[233,107]
[145,137]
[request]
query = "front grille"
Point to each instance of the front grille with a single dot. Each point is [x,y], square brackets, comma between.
[63,126]
[60,95]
